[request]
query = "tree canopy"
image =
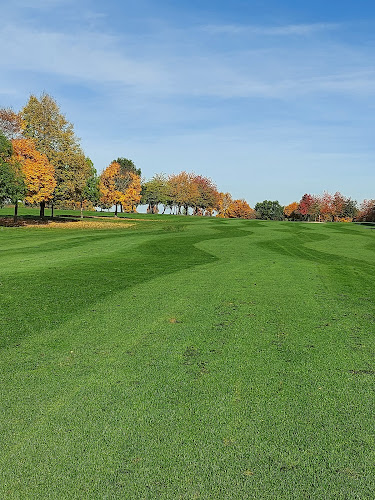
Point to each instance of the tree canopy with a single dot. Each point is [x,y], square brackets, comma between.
[120,187]
[12,180]
[269,210]
[127,165]
[54,137]
[38,171]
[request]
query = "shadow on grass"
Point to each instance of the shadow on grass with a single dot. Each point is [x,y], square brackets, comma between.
[295,246]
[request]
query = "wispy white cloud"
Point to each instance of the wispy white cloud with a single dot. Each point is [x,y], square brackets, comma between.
[149,67]
[283,30]
[85,56]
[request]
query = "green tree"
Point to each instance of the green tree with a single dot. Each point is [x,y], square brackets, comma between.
[350,208]
[127,165]
[12,182]
[91,191]
[76,177]
[6,172]
[269,210]
[155,192]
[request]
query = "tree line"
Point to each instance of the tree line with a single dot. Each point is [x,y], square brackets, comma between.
[42,163]
[330,208]
[41,159]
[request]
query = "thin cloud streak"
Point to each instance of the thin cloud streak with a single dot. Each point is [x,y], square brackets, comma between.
[287,30]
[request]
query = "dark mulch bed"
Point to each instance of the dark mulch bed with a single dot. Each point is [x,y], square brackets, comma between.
[27,220]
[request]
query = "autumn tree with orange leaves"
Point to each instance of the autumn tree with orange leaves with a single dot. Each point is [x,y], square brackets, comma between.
[291,210]
[183,191]
[327,207]
[120,187]
[38,171]
[366,211]
[240,209]
[207,195]
[132,195]
[223,203]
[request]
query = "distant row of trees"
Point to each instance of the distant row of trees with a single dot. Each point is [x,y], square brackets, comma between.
[318,208]
[183,191]
[187,191]
[330,207]
[42,162]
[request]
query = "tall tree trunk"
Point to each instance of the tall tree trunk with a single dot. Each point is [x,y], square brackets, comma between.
[121,208]
[52,209]
[42,207]
[81,209]
[15,211]
[116,210]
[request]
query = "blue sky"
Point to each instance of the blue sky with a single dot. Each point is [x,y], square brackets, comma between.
[270,99]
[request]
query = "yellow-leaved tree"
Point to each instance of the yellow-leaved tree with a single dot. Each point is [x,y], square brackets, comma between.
[38,171]
[119,186]
[132,194]
[223,203]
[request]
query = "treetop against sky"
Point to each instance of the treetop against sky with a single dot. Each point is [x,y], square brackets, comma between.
[270,99]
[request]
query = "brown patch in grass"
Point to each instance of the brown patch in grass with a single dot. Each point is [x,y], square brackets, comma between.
[174,320]
[68,223]
[85,224]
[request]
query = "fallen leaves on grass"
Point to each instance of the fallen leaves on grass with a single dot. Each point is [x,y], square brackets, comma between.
[174,320]
[86,225]
[248,472]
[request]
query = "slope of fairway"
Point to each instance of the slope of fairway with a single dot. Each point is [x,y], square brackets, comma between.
[188,358]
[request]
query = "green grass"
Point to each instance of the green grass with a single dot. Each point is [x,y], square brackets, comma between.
[188,358]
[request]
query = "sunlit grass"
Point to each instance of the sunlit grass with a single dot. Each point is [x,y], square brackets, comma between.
[187,358]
